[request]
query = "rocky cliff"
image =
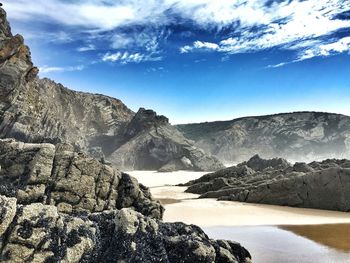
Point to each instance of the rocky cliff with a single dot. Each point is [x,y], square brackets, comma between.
[322,185]
[57,205]
[40,110]
[299,136]
[150,142]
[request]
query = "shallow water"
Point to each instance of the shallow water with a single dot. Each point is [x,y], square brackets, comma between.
[274,244]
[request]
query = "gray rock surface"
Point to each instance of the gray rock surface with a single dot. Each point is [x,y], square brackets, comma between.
[57,205]
[152,143]
[298,136]
[322,185]
[74,182]
[40,110]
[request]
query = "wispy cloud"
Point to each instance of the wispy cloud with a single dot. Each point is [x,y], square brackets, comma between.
[236,26]
[86,48]
[200,45]
[319,50]
[126,57]
[50,69]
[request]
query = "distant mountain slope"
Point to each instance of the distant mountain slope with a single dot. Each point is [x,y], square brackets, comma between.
[40,110]
[297,136]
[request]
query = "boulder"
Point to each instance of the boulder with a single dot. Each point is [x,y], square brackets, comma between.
[321,185]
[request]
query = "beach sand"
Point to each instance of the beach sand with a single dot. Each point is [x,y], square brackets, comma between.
[185,207]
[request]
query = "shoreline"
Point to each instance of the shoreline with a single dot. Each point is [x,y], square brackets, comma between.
[185,207]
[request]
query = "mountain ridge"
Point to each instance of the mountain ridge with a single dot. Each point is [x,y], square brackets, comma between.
[297,136]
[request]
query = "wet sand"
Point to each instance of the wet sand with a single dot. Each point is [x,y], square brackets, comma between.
[336,236]
[271,244]
[273,234]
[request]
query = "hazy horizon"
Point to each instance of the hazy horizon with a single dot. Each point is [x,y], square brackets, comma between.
[195,62]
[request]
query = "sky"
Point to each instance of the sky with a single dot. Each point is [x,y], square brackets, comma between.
[195,60]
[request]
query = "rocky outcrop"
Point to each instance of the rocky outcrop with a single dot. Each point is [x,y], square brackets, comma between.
[39,233]
[71,181]
[40,110]
[152,143]
[57,205]
[322,185]
[298,136]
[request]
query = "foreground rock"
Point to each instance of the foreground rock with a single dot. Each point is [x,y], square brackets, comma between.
[57,205]
[40,110]
[322,185]
[73,182]
[297,136]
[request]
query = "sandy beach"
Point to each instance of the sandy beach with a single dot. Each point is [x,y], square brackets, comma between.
[185,207]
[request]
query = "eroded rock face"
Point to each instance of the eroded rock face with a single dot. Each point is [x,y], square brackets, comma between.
[152,143]
[298,136]
[322,185]
[73,182]
[39,233]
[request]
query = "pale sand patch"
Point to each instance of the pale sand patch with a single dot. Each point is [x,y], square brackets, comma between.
[153,178]
[209,212]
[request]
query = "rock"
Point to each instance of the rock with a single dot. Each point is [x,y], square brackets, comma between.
[153,144]
[259,164]
[57,205]
[74,182]
[296,136]
[39,233]
[300,185]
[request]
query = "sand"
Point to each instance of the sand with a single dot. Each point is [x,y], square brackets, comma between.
[187,208]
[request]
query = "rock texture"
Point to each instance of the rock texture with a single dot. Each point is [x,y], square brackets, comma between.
[60,206]
[298,136]
[40,110]
[74,182]
[150,142]
[322,185]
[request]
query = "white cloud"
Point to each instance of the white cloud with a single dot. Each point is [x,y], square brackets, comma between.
[48,69]
[106,15]
[126,57]
[200,45]
[86,48]
[295,25]
[320,50]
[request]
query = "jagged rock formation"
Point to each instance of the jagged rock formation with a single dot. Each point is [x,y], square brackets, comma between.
[74,182]
[60,206]
[150,142]
[40,110]
[298,136]
[322,185]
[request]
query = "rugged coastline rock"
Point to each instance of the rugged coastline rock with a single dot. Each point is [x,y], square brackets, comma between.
[74,182]
[57,205]
[296,136]
[152,143]
[321,185]
[40,110]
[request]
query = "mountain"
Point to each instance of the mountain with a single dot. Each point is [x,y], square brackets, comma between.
[321,185]
[297,136]
[40,110]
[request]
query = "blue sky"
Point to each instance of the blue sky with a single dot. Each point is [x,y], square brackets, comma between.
[195,60]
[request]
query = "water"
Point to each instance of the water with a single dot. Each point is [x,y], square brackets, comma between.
[274,244]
